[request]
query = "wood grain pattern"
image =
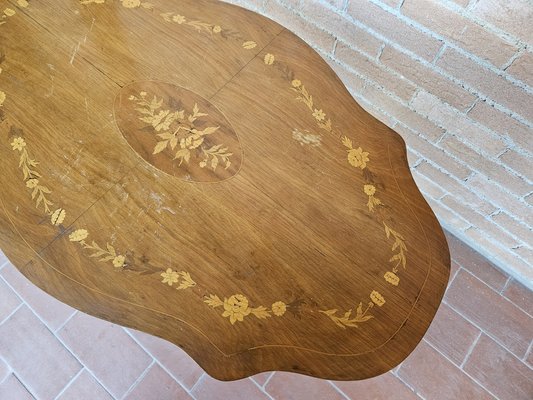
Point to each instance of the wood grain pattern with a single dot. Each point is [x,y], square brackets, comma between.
[196,171]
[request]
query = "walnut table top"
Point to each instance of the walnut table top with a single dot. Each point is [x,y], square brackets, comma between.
[196,171]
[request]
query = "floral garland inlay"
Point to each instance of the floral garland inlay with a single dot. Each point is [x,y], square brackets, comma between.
[237,307]
[176,127]
[173,17]
[359,159]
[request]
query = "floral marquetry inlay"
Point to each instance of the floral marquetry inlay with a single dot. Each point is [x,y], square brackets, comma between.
[178,131]
[195,171]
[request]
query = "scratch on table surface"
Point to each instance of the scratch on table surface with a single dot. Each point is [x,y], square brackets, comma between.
[76,49]
[89,32]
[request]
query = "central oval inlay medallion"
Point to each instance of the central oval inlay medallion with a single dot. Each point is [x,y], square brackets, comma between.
[178,131]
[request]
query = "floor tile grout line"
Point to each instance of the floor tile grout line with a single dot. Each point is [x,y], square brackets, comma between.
[139,379]
[157,360]
[528,352]
[261,389]
[335,387]
[76,357]
[408,385]
[462,370]
[491,336]
[201,378]
[12,312]
[66,321]
[501,296]
[69,383]
[268,379]
[506,285]
[14,373]
[470,350]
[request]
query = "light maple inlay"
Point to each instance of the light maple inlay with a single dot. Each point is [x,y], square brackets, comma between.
[196,171]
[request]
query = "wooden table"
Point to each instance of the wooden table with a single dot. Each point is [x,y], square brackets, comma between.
[196,171]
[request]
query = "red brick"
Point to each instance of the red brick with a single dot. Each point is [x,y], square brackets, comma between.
[520,295]
[113,357]
[447,217]
[84,386]
[485,165]
[211,389]
[376,112]
[462,3]
[464,32]
[289,386]
[262,378]
[340,27]
[436,378]
[512,225]
[513,16]
[475,263]
[499,371]
[402,113]
[521,68]
[481,221]
[430,152]
[503,124]
[157,384]
[427,187]
[9,301]
[53,312]
[427,78]
[307,31]
[373,71]
[353,82]
[339,4]
[505,258]
[451,334]
[394,29]
[11,388]
[501,198]
[456,123]
[451,185]
[385,386]
[487,82]
[182,367]
[518,162]
[493,313]
[27,345]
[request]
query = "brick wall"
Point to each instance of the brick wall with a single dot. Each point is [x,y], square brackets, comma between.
[455,79]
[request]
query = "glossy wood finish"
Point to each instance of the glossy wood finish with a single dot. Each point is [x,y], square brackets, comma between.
[304,247]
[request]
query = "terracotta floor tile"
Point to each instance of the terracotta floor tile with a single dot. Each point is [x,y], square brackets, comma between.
[289,386]
[385,386]
[9,301]
[3,259]
[493,367]
[85,387]
[520,295]
[474,262]
[114,358]
[451,334]
[51,311]
[262,378]
[157,384]
[182,367]
[12,389]
[4,370]
[39,360]
[211,389]
[436,378]
[493,313]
